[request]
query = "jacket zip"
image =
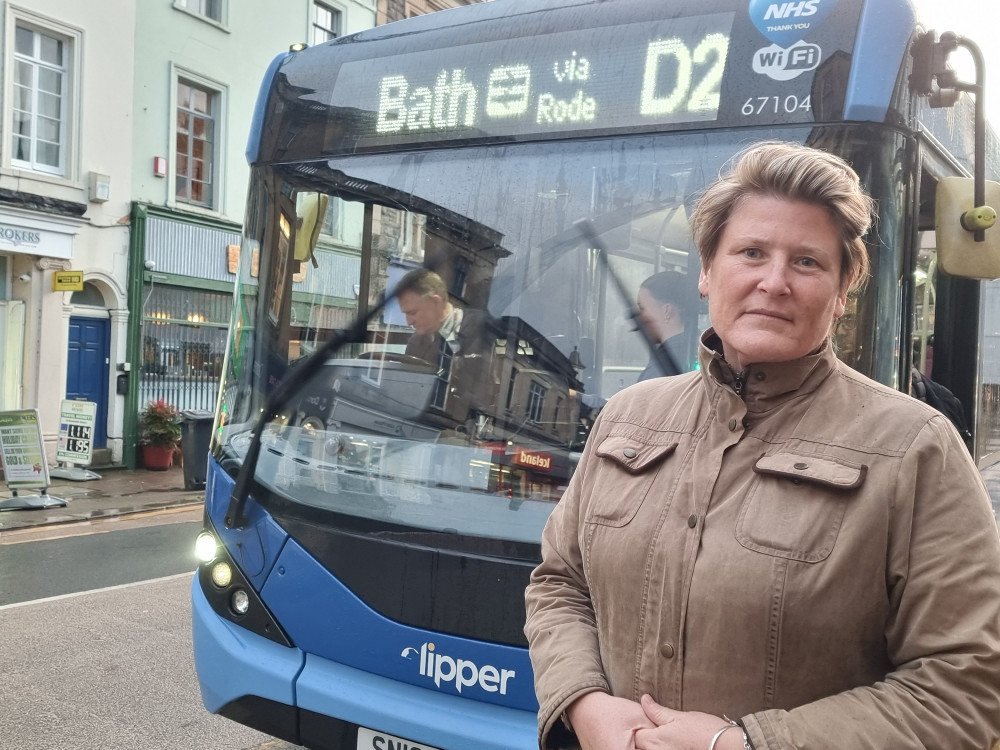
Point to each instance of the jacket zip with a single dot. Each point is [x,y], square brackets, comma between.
[739,380]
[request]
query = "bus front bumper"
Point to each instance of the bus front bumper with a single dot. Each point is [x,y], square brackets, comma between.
[318,703]
[232,662]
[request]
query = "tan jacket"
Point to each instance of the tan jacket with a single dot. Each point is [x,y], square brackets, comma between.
[818,557]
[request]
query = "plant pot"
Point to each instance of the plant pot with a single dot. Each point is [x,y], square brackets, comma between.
[157,458]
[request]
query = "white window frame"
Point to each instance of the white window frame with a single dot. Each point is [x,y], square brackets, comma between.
[221,93]
[534,411]
[314,23]
[72,39]
[186,6]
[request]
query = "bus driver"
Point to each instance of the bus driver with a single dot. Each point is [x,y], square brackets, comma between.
[452,339]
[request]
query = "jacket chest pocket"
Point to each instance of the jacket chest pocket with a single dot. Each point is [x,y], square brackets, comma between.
[796,504]
[628,468]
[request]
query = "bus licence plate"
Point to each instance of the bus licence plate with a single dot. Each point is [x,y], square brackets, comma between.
[369,740]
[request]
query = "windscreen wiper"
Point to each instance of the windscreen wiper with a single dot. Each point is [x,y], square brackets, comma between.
[282,394]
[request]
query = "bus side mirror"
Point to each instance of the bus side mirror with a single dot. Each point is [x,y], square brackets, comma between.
[956,216]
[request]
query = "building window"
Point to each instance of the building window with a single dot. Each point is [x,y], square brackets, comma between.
[196,123]
[331,218]
[536,400]
[510,388]
[39,107]
[183,343]
[90,295]
[326,23]
[412,244]
[208,8]
[459,275]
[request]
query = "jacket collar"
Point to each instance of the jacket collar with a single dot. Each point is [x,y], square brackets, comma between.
[770,384]
[451,325]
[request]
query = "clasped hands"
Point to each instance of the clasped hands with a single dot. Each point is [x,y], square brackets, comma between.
[604,722]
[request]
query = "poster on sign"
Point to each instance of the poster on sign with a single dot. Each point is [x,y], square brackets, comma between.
[76,440]
[24,465]
[76,431]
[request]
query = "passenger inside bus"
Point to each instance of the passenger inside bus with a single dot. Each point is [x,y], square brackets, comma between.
[660,301]
[661,308]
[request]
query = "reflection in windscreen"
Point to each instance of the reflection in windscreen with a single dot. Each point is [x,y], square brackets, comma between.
[467,403]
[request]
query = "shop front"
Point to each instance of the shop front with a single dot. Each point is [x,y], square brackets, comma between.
[34,246]
[180,297]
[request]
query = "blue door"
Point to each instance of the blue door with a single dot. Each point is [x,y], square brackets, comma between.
[87,368]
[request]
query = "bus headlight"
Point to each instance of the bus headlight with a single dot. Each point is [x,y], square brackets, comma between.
[205,547]
[222,574]
[240,602]
[228,591]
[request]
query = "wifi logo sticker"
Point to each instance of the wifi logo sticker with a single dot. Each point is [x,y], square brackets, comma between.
[785,64]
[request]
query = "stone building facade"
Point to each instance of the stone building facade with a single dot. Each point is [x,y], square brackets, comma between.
[394,10]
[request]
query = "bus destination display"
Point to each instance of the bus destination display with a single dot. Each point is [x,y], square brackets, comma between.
[655,73]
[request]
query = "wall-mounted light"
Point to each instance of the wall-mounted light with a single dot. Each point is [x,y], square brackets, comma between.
[160,166]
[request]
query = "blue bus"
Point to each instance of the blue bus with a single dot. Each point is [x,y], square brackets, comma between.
[374,506]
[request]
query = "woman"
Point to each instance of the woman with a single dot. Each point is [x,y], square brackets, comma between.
[773,538]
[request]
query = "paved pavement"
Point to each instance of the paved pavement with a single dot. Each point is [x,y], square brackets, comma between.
[118,492]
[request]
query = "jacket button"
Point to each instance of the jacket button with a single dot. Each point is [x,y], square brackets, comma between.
[667,651]
[692,521]
[800,466]
[629,452]
[732,425]
[760,376]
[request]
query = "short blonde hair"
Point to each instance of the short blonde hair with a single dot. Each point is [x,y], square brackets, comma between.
[424,283]
[792,172]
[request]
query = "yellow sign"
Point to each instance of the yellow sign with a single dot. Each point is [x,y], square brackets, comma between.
[67,281]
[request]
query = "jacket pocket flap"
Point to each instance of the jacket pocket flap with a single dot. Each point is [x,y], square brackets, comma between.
[632,455]
[843,475]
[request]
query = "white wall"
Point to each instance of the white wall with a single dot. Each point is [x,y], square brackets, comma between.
[232,57]
[98,139]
